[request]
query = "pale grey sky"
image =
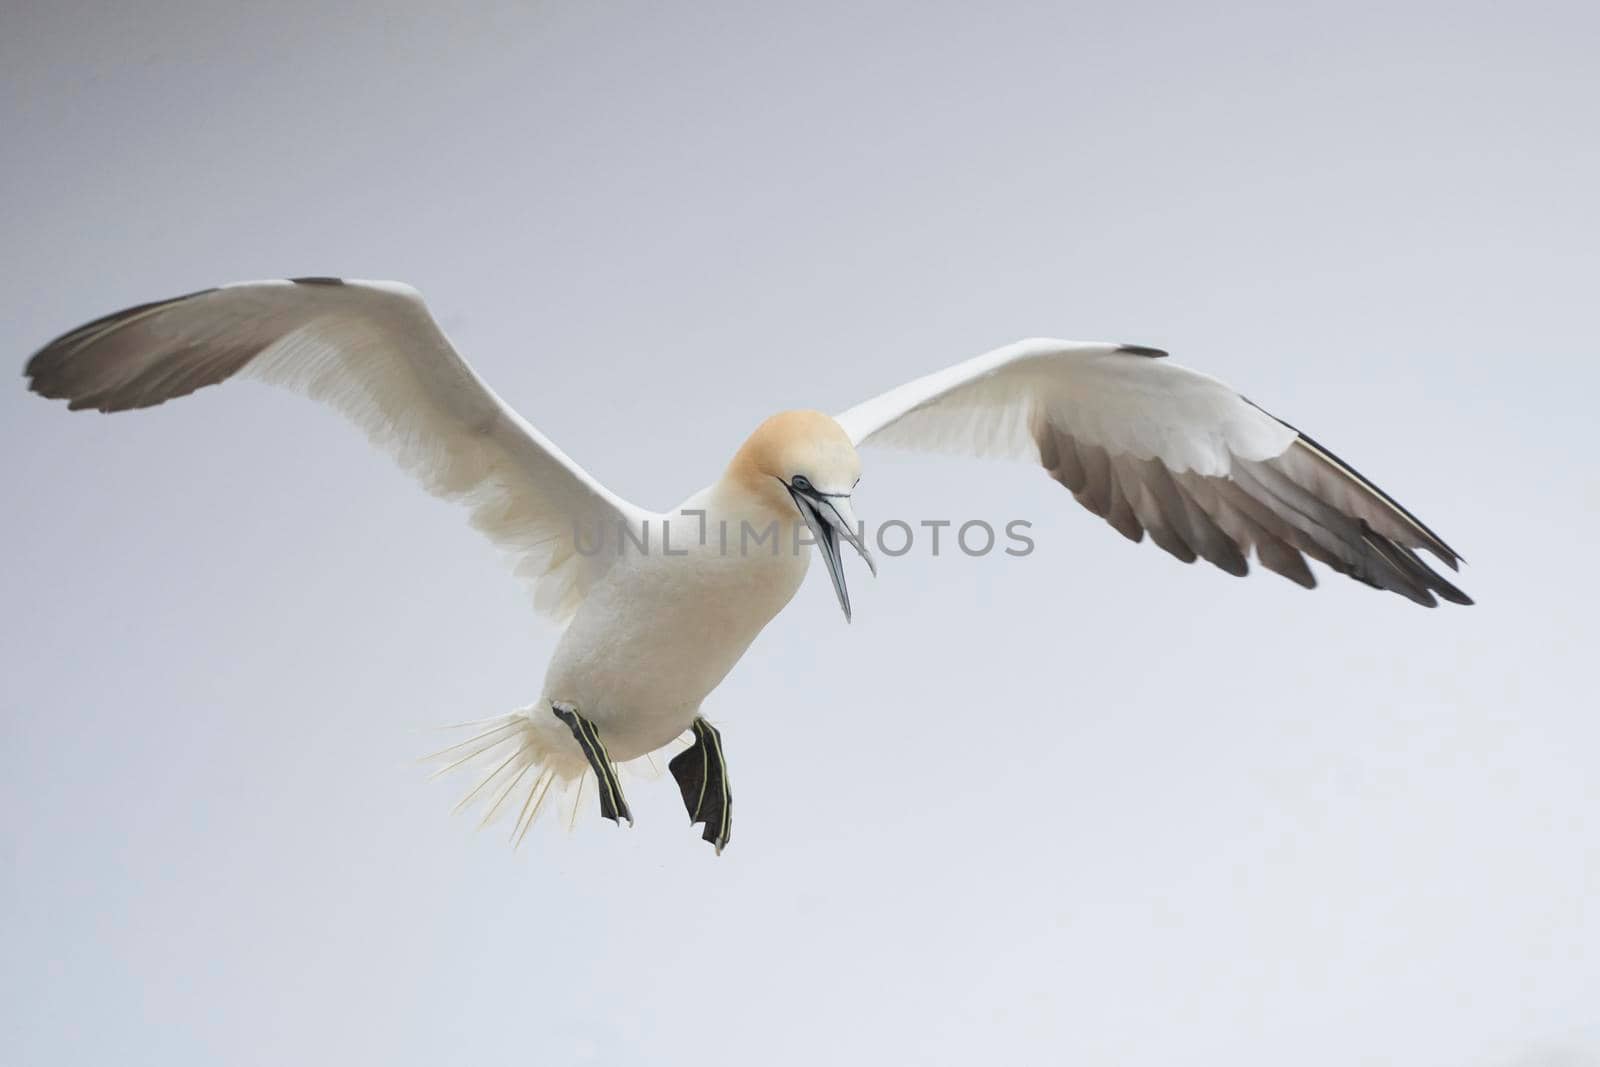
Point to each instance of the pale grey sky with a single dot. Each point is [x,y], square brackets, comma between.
[1090,806]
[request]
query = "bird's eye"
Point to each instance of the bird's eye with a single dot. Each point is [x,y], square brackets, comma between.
[801,482]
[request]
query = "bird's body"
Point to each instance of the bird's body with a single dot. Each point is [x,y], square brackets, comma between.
[658,607]
[660,631]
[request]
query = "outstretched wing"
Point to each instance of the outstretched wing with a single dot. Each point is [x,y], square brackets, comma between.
[1151,446]
[371,351]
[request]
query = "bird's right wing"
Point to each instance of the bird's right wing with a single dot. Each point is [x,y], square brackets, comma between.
[371,351]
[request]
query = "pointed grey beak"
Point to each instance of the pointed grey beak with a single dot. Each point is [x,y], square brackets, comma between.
[831,521]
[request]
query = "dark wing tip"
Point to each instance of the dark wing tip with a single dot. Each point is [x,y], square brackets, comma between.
[51,371]
[41,362]
[1432,541]
[91,367]
[74,366]
[1143,350]
[1415,574]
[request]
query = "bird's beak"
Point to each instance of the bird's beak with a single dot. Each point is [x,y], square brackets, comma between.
[831,520]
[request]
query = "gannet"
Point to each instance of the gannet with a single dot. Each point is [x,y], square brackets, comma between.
[657,607]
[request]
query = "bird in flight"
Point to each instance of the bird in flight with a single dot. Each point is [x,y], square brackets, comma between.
[657,607]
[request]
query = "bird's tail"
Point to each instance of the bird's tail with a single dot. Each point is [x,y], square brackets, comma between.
[516,765]
[515,768]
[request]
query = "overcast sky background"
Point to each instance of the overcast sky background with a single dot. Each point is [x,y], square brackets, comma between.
[1090,806]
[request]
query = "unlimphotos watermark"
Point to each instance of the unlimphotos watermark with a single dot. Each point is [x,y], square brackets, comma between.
[692,531]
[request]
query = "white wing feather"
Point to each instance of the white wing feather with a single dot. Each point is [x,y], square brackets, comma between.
[1152,446]
[371,351]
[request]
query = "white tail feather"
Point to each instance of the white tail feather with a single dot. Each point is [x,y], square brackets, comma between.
[517,762]
[515,766]
[530,808]
[500,797]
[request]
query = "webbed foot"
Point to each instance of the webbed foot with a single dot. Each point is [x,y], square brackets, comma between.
[613,805]
[702,776]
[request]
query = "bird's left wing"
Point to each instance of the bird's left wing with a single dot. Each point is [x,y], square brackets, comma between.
[371,351]
[1151,446]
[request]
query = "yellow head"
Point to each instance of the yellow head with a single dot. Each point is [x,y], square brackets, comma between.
[802,462]
[796,444]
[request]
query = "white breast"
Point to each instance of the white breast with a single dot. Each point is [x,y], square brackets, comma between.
[662,629]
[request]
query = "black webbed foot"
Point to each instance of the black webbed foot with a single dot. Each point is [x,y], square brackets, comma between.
[613,805]
[702,776]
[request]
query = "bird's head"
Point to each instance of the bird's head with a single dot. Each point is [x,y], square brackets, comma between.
[803,463]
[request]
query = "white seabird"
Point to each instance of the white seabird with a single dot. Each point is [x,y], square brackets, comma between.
[1146,444]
